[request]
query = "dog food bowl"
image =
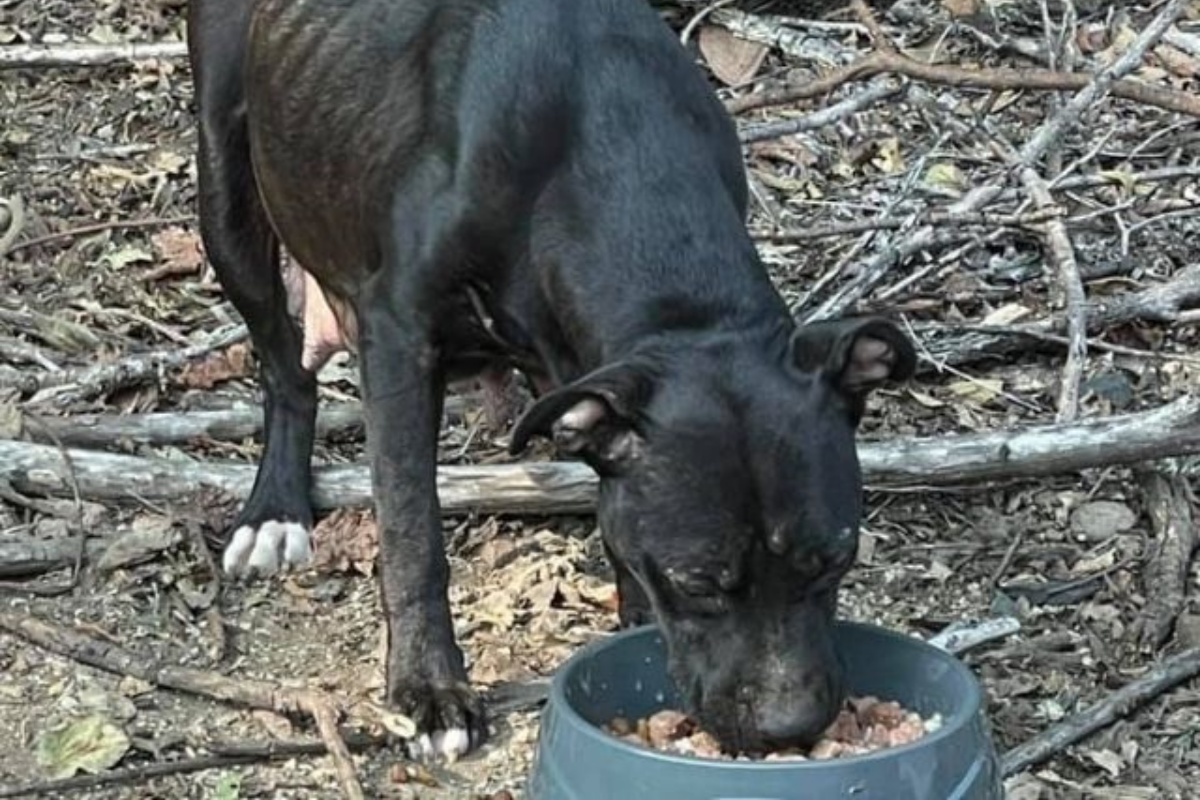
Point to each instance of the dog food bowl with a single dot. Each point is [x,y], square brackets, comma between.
[625,675]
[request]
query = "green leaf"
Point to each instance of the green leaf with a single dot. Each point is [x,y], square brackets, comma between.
[945,175]
[229,787]
[91,744]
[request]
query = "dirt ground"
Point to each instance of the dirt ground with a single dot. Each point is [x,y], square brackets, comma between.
[102,158]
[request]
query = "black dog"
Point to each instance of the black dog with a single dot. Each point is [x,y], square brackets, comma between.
[552,186]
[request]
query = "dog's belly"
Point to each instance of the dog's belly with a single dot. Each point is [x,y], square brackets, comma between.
[330,325]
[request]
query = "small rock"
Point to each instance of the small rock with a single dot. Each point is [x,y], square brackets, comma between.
[1101,519]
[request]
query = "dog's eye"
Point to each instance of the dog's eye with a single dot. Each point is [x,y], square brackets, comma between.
[700,594]
[699,587]
[693,583]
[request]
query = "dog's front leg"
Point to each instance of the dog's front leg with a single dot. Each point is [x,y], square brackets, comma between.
[402,390]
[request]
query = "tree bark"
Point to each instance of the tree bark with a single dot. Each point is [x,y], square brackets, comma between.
[15,56]
[182,427]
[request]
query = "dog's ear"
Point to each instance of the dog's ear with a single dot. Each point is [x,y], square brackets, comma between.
[595,418]
[858,355]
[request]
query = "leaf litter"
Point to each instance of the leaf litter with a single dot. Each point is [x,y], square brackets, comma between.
[83,146]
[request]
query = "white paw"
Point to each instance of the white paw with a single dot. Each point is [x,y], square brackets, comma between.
[447,745]
[266,549]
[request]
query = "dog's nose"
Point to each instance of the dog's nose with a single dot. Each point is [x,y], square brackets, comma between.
[798,719]
[795,724]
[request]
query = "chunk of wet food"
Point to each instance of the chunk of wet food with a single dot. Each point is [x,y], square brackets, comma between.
[864,725]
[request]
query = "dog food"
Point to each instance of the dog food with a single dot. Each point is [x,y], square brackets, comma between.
[866,724]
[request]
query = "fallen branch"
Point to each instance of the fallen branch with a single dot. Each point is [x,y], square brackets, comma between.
[249,693]
[773,31]
[1106,81]
[1062,254]
[1158,679]
[102,431]
[532,488]
[1030,154]
[76,385]
[826,116]
[28,557]
[939,217]
[1164,303]
[1164,581]
[17,56]
[893,62]
[569,487]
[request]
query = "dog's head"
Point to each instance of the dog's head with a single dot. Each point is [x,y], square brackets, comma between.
[730,488]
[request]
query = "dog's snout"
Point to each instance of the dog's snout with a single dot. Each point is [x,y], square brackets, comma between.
[797,721]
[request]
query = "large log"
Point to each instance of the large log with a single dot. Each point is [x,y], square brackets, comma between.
[183,427]
[567,487]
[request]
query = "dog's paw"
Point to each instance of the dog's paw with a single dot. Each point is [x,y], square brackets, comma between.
[267,548]
[450,719]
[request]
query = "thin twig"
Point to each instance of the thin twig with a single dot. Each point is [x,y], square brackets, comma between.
[131,775]
[15,214]
[870,96]
[98,227]
[1062,255]
[220,756]
[1160,678]
[325,715]
[1106,81]
[934,217]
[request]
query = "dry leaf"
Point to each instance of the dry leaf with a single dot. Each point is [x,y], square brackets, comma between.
[603,595]
[179,253]
[168,161]
[1107,760]
[223,365]
[277,725]
[945,175]
[148,536]
[346,539]
[1095,564]
[938,571]
[927,400]
[961,8]
[1177,61]
[733,60]
[978,390]
[1091,38]
[542,596]
[124,256]
[133,687]
[91,744]
[1007,314]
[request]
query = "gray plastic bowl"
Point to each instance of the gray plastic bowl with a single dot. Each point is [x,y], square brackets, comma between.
[624,675]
